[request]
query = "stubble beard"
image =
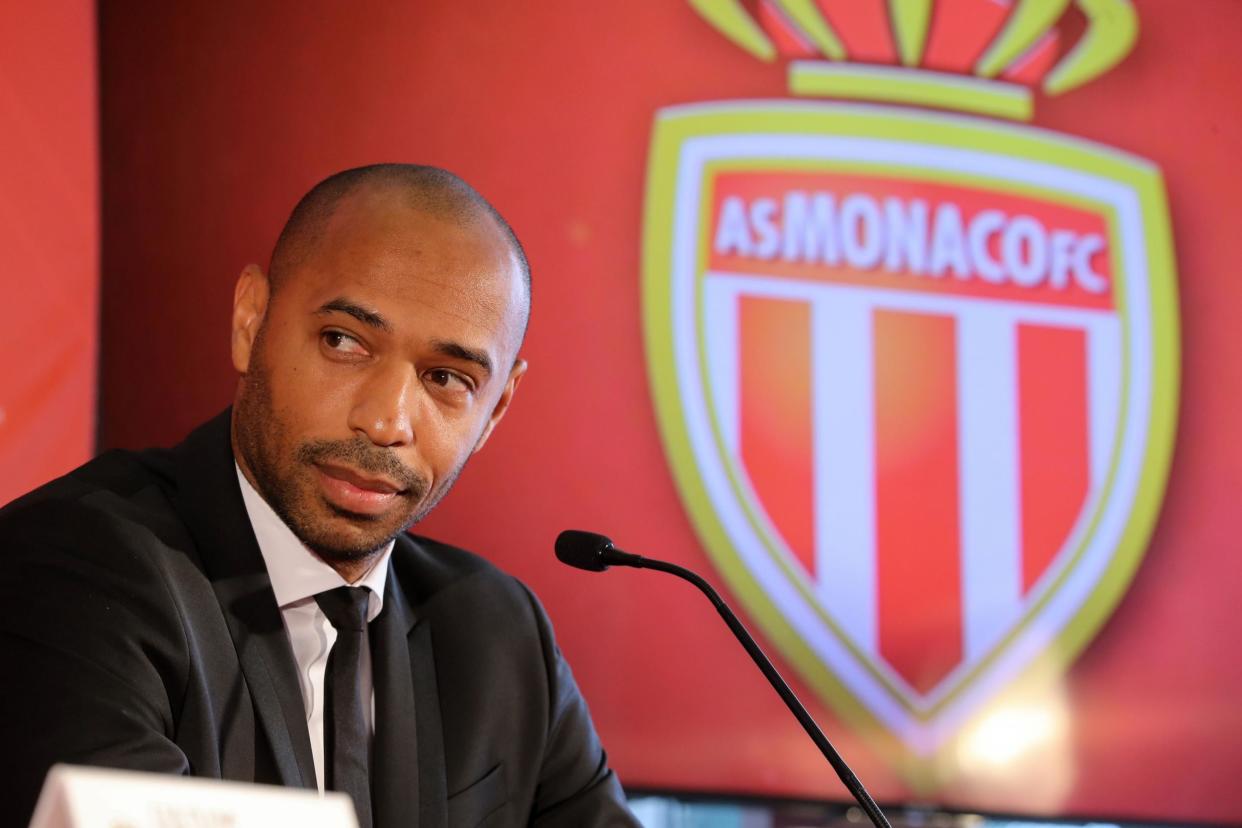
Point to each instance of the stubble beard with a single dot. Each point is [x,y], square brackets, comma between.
[288,486]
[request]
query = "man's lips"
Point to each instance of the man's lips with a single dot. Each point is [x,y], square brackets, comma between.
[356,492]
[381,485]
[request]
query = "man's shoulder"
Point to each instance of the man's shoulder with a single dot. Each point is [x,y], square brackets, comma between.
[445,581]
[115,518]
[428,568]
[140,496]
[119,485]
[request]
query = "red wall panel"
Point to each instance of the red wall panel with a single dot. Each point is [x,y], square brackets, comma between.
[49,236]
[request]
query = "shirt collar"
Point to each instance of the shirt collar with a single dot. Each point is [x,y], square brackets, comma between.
[296,573]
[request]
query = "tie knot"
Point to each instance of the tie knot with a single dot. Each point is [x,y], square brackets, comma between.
[346,607]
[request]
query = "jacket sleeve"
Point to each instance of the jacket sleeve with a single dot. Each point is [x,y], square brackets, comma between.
[577,788]
[90,651]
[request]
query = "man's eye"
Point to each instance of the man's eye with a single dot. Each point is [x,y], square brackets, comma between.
[449,380]
[341,342]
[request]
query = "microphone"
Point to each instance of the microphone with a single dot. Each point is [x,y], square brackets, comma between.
[595,553]
[592,552]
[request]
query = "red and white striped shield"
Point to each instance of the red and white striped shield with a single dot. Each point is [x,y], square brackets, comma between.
[917,394]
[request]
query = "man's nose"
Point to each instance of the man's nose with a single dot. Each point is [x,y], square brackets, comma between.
[385,408]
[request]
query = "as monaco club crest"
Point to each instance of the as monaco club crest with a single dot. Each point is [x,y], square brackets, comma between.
[915,372]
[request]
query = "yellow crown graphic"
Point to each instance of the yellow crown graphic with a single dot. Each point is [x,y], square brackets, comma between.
[983,56]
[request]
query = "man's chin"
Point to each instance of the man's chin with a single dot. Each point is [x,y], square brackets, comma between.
[345,536]
[334,556]
[346,550]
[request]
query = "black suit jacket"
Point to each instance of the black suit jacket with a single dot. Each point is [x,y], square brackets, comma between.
[138,629]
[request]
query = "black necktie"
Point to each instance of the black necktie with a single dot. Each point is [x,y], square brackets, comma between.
[345,737]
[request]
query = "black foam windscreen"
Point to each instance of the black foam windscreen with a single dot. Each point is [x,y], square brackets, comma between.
[584,550]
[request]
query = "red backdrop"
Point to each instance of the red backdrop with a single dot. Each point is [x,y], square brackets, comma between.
[216,116]
[49,255]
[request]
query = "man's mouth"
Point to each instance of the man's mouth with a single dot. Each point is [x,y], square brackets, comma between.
[354,491]
[379,484]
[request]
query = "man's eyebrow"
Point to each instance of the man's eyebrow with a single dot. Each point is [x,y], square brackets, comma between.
[459,351]
[363,315]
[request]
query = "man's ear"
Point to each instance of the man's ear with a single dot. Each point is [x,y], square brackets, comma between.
[249,306]
[502,405]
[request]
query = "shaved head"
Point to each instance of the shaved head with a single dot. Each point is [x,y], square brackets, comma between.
[428,189]
[376,355]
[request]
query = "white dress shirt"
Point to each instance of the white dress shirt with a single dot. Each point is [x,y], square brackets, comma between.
[297,576]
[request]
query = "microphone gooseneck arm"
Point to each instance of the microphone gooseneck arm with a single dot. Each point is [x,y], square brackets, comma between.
[605,555]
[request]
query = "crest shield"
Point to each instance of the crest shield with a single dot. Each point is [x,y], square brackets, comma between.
[918,394]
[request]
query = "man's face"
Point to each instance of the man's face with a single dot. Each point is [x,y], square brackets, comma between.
[381,362]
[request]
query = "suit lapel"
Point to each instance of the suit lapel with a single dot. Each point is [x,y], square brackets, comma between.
[394,771]
[408,776]
[432,784]
[210,501]
[267,663]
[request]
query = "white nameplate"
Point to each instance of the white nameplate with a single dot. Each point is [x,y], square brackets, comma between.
[76,797]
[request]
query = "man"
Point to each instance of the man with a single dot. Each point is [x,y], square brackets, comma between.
[247,605]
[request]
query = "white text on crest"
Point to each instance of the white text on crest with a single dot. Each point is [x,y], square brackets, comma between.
[908,236]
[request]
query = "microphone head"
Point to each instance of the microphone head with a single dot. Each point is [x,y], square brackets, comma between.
[584,550]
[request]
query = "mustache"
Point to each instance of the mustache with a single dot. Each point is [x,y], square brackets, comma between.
[366,457]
